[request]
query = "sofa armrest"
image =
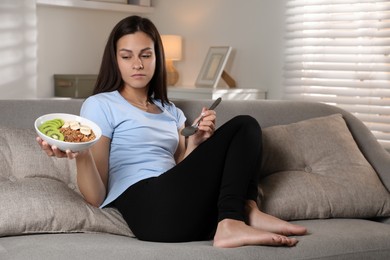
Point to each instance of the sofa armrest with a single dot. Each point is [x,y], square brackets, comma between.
[378,157]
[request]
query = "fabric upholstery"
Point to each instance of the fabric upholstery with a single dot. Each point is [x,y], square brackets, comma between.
[314,169]
[344,239]
[353,239]
[39,194]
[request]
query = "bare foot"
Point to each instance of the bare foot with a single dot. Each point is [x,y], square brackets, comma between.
[235,233]
[263,221]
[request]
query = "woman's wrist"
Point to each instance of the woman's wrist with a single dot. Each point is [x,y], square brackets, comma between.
[84,156]
[191,145]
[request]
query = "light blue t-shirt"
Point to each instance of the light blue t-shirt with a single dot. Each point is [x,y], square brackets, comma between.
[142,144]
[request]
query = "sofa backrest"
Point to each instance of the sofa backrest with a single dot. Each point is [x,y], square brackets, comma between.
[22,114]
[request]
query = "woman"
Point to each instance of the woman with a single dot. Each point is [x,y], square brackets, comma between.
[167,188]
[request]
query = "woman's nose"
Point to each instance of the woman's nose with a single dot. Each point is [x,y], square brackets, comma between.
[138,65]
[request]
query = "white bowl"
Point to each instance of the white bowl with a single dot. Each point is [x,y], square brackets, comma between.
[63,146]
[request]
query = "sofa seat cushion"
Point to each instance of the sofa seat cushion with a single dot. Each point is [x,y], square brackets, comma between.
[327,239]
[39,194]
[314,169]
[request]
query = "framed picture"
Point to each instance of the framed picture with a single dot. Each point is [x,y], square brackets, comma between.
[213,66]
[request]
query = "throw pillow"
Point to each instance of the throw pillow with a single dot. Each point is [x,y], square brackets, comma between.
[314,169]
[39,194]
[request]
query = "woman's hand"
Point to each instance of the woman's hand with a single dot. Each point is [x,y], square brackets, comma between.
[206,127]
[54,151]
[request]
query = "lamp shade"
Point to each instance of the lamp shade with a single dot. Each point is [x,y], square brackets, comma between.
[172,46]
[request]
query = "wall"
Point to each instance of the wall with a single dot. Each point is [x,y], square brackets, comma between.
[254,28]
[18,49]
[72,40]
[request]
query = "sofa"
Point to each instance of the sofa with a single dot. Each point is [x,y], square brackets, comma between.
[321,168]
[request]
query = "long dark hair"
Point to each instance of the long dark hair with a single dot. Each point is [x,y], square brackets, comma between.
[109,77]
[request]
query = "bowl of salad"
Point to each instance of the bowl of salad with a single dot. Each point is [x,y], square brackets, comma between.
[67,131]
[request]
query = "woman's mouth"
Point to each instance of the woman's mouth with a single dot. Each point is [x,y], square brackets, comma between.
[138,75]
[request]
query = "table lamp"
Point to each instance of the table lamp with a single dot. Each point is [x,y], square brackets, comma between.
[172,50]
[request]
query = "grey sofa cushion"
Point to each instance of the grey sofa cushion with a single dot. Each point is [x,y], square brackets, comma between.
[328,239]
[39,194]
[314,169]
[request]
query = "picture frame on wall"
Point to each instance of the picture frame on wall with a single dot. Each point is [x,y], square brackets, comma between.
[213,66]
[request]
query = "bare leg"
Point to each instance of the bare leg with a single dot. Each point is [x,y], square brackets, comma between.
[263,221]
[235,233]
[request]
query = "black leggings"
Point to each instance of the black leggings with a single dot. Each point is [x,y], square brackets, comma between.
[209,185]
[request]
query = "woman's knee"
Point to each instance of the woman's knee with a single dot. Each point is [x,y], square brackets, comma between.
[248,122]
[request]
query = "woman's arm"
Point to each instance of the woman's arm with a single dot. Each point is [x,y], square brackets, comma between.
[181,148]
[92,172]
[92,168]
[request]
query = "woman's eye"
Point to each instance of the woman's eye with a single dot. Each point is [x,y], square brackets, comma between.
[146,56]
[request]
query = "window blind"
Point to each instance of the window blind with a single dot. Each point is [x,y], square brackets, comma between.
[337,52]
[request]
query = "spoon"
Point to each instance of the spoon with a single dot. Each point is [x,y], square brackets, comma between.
[190,130]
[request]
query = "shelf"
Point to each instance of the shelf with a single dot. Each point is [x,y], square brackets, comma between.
[214,93]
[117,7]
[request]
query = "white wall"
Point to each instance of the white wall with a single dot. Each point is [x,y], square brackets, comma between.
[72,40]
[18,49]
[254,28]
